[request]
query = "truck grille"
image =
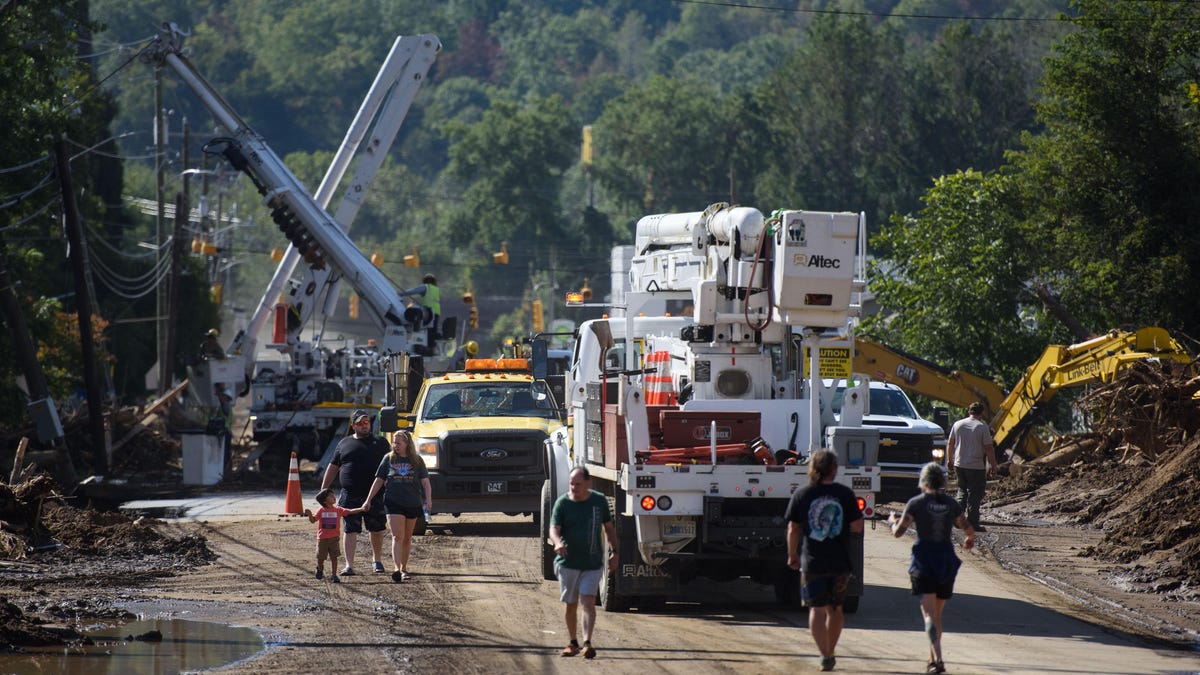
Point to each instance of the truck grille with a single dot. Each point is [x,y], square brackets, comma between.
[491,452]
[905,448]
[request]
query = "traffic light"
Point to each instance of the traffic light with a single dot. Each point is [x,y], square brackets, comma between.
[473,317]
[216,292]
[377,257]
[539,322]
[353,306]
[413,259]
[586,291]
[468,298]
[501,258]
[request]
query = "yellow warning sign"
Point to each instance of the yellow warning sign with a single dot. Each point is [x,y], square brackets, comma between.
[836,362]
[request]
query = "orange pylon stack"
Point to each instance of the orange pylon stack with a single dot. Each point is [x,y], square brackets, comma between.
[294,503]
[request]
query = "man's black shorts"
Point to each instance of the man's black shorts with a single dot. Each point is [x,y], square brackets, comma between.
[374,518]
[823,590]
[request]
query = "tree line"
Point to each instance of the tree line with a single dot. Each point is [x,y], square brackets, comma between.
[993,147]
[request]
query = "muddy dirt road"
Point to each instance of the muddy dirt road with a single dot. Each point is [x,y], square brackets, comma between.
[478,604]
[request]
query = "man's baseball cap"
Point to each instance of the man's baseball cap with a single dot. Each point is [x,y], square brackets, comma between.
[359,414]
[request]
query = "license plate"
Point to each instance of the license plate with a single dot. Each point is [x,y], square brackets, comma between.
[687,529]
[495,487]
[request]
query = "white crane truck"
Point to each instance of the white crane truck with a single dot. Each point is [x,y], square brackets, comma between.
[691,411]
[287,402]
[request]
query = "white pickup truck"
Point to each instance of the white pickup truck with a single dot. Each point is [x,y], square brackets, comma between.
[906,440]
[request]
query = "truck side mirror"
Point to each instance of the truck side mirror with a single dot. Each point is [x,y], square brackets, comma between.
[388,419]
[941,417]
[539,359]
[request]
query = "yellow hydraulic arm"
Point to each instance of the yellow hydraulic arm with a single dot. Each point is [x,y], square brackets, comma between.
[922,377]
[1096,360]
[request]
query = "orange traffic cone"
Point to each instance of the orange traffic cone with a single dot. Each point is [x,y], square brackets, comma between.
[294,503]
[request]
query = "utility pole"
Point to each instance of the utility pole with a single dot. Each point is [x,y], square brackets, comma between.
[83,307]
[182,213]
[160,337]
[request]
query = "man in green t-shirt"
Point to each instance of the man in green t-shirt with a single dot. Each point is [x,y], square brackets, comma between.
[575,525]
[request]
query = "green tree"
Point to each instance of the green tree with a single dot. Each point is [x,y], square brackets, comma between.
[510,166]
[662,147]
[971,99]
[546,52]
[952,279]
[1113,177]
[839,122]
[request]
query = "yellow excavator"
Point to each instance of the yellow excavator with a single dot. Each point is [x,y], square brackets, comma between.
[1097,359]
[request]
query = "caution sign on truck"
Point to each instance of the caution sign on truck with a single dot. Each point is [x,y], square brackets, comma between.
[836,361]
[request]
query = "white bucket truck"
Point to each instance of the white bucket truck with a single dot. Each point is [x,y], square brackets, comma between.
[689,406]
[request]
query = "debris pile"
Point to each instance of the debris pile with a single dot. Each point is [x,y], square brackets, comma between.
[1135,476]
[47,542]
[35,521]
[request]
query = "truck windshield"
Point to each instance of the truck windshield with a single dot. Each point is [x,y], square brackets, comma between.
[883,402]
[489,399]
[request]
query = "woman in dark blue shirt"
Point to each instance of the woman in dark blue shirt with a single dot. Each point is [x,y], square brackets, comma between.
[407,492]
[934,565]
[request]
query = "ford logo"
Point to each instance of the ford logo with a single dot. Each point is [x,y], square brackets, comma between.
[494,454]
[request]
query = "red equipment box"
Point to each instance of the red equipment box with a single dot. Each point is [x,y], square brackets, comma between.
[682,429]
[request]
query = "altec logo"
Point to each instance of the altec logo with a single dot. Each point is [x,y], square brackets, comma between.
[819,261]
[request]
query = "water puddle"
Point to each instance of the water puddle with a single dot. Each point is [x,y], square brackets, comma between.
[134,649]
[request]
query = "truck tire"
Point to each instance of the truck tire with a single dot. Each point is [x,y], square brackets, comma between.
[610,599]
[787,587]
[543,532]
[851,604]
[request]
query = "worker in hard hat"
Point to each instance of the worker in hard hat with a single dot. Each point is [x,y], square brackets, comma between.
[431,302]
[210,348]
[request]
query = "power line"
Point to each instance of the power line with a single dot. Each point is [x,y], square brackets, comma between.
[17,198]
[113,47]
[93,150]
[852,12]
[26,165]
[30,217]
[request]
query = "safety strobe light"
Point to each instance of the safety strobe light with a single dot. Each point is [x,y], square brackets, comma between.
[664,503]
[862,504]
[647,503]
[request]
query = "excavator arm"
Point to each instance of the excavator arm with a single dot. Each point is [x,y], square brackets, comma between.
[1012,415]
[1096,360]
[921,377]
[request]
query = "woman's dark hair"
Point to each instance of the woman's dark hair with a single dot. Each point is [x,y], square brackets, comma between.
[413,456]
[821,465]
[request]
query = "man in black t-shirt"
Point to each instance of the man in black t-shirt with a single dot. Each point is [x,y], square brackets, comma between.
[354,463]
[820,519]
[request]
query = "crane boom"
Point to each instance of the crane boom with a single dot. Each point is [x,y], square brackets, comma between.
[387,101]
[318,238]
